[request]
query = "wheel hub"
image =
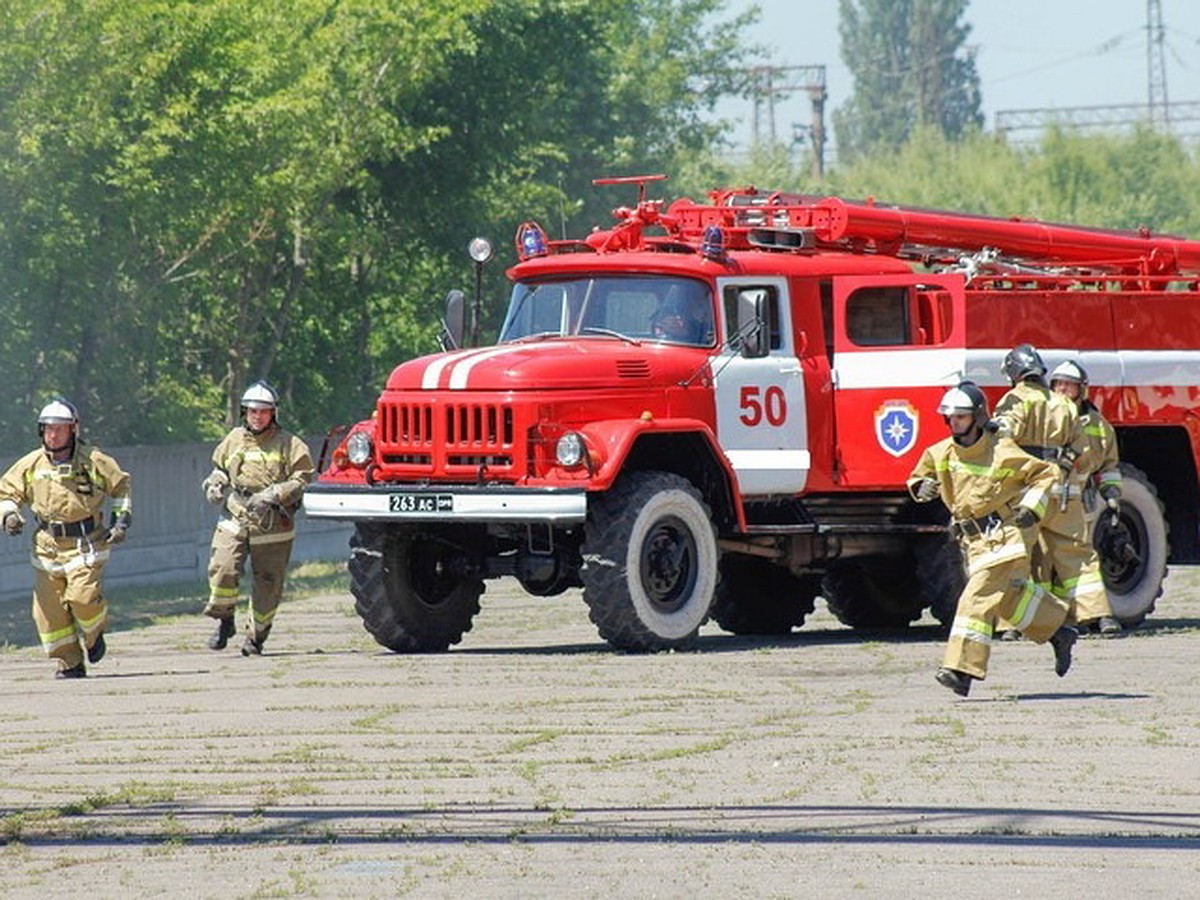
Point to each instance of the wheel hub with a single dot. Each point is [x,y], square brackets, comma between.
[668,568]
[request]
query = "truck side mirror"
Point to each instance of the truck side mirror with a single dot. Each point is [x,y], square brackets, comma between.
[451,336]
[753,334]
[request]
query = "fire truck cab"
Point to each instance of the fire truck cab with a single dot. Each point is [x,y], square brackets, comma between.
[710,410]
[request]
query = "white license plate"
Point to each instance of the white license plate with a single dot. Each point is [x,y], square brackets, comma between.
[420,503]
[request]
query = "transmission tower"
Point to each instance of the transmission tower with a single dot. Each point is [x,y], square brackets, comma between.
[1156,65]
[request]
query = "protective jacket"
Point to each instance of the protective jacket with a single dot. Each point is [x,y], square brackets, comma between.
[66,494]
[982,485]
[1100,463]
[256,462]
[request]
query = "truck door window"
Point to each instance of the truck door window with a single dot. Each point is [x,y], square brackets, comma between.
[770,301]
[878,317]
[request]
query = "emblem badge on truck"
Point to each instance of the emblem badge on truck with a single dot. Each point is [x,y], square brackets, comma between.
[896,425]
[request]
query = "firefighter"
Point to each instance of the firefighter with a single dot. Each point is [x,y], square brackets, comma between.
[996,494]
[65,483]
[1098,470]
[1047,425]
[258,477]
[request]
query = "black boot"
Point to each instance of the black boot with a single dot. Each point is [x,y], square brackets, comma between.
[254,643]
[97,650]
[76,671]
[1062,641]
[959,682]
[226,628]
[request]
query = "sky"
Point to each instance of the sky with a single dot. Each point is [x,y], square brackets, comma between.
[1029,54]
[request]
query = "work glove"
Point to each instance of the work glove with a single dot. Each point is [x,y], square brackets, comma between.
[13,523]
[262,501]
[119,529]
[215,486]
[927,490]
[1025,518]
[1112,496]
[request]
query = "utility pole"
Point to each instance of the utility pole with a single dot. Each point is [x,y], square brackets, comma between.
[768,83]
[1156,66]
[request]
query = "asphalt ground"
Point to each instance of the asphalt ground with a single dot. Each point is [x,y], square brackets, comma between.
[532,761]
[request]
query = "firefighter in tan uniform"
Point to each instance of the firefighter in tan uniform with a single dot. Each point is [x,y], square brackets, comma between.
[1047,425]
[995,493]
[65,483]
[259,475]
[1098,469]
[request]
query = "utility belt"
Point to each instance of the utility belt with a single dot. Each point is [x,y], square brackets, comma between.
[81,528]
[960,528]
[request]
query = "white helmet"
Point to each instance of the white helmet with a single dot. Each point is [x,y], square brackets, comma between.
[1069,371]
[259,395]
[58,412]
[965,397]
[1073,372]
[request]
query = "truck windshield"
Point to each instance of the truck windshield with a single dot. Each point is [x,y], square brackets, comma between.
[650,308]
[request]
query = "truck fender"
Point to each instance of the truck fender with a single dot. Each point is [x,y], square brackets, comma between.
[614,441]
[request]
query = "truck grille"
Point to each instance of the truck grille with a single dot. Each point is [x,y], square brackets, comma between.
[456,439]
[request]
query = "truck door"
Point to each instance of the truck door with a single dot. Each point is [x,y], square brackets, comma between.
[897,346]
[761,419]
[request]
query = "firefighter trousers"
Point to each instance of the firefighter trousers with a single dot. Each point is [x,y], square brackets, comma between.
[67,600]
[1001,590]
[268,555]
[1066,564]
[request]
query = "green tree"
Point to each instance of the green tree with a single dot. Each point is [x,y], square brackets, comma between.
[911,68]
[197,194]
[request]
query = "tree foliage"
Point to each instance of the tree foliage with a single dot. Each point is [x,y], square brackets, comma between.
[199,193]
[912,69]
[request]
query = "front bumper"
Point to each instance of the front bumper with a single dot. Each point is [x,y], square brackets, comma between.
[445,503]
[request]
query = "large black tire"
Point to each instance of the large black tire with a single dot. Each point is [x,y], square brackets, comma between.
[873,592]
[1134,580]
[756,596]
[649,562]
[406,590]
[941,574]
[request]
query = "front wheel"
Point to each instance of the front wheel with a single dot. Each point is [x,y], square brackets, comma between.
[412,588]
[1133,549]
[649,562]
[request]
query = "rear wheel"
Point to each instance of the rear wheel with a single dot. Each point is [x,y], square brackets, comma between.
[873,592]
[1133,550]
[941,574]
[756,596]
[649,562]
[411,587]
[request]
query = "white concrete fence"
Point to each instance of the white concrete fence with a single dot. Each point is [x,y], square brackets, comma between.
[172,524]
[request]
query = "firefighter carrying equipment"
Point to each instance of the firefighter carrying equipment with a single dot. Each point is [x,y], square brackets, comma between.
[262,476]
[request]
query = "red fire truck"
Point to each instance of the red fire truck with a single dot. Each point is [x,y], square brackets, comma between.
[710,409]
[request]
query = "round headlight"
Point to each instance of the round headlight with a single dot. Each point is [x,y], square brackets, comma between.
[569,450]
[358,448]
[480,249]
